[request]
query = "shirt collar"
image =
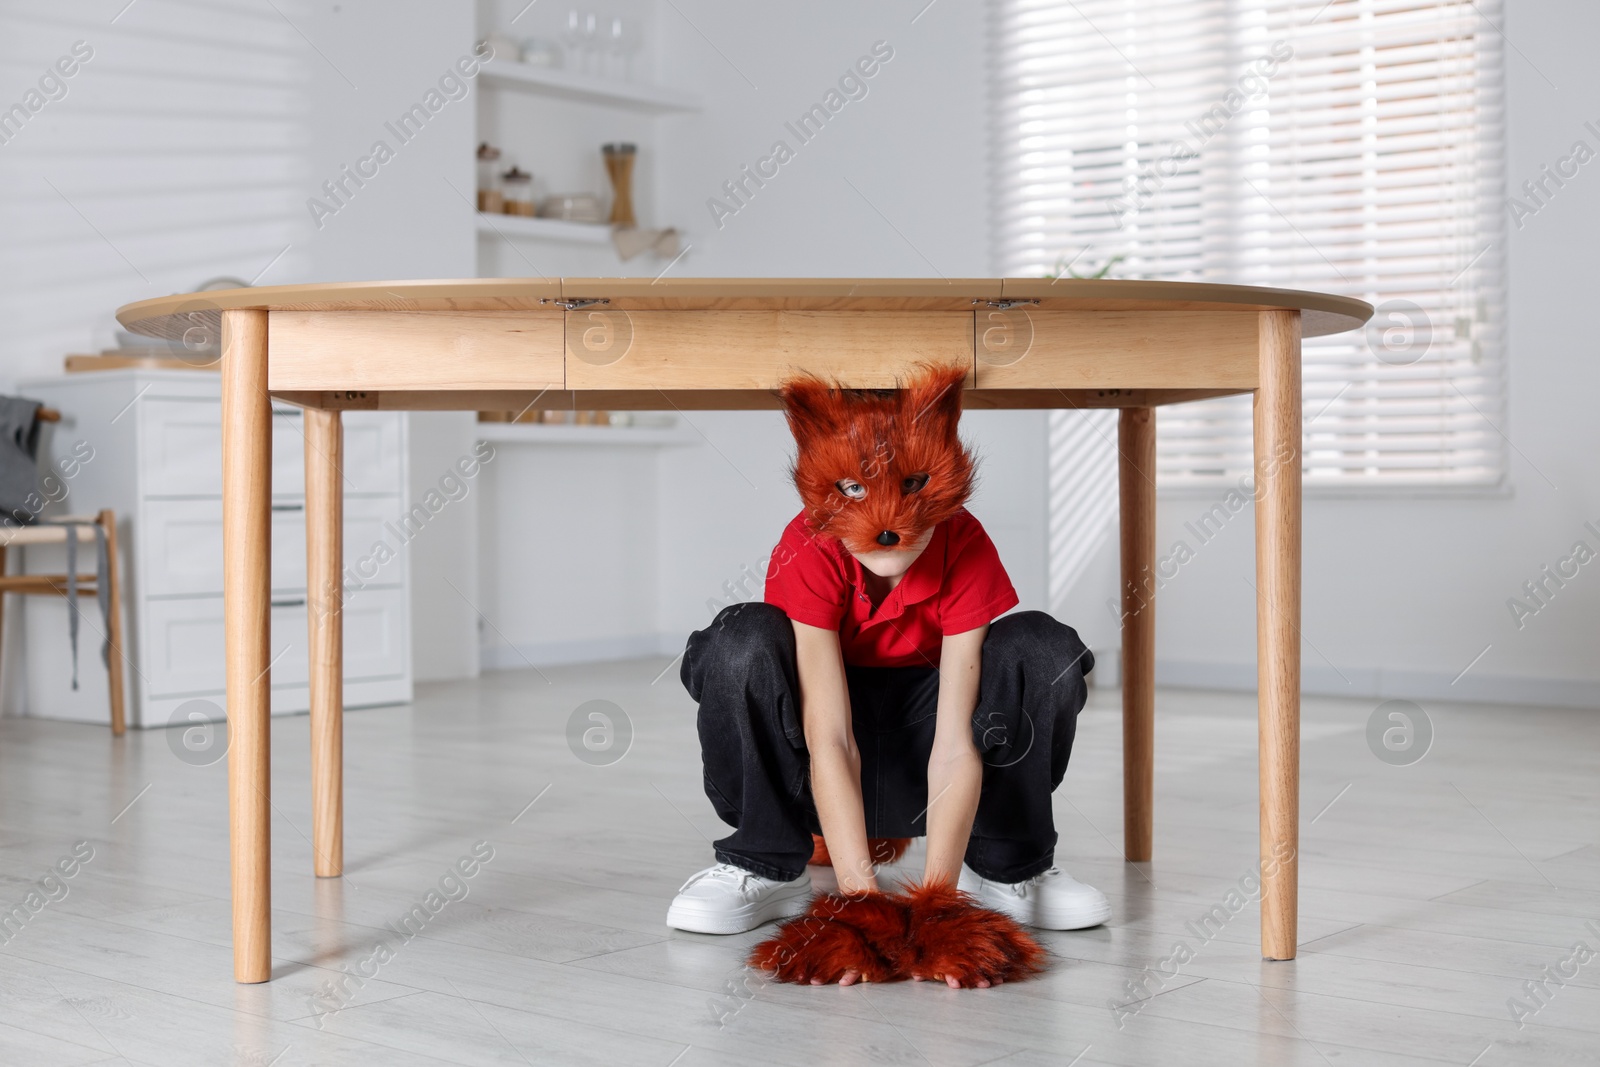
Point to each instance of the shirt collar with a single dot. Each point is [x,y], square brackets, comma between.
[921,582]
[927,573]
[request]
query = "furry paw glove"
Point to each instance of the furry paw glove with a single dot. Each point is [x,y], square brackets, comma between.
[927,931]
[952,937]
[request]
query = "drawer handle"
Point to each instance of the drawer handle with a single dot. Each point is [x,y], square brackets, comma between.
[297,603]
[288,507]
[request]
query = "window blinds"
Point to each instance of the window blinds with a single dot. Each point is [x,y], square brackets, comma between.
[1351,146]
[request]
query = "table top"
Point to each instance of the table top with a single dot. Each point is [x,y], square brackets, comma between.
[170,316]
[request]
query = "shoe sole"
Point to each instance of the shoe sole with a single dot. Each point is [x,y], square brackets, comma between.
[696,921]
[1076,920]
[1061,920]
[1070,920]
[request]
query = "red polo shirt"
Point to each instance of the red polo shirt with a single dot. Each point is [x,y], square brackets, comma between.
[956,585]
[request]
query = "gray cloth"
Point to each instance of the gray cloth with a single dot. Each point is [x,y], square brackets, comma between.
[21,502]
[102,587]
[19,468]
[101,592]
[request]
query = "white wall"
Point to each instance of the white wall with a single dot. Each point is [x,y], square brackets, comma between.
[912,149]
[178,153]
[1402,594]
[558,142]
[414,219]
[894,185]
[187,146]
[571,573]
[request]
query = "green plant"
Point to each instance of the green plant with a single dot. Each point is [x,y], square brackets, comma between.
[1063,265]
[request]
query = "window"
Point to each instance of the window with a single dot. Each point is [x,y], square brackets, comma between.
[1351,146]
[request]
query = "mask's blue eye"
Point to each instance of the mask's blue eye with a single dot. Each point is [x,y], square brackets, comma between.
[851,488]
[913,483]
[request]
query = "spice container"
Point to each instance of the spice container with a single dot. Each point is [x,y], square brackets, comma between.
[489,198]
[516,186]
[619,165]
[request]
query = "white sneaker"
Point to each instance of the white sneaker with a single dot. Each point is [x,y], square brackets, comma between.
[724,899]
[1052,900]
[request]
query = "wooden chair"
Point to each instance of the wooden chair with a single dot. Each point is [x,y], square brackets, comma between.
[55,533]
[59,584]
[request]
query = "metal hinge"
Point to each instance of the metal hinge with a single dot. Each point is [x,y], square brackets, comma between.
[1003,305]
[574,303]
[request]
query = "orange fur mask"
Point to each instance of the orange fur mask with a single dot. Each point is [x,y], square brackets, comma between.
[878,468]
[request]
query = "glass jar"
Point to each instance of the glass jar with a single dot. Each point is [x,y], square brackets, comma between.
[619,159]
[516,187]
[489,198]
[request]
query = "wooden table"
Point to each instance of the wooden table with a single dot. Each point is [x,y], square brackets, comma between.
[510,344]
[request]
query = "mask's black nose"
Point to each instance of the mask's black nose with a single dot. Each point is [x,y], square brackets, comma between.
[888,538]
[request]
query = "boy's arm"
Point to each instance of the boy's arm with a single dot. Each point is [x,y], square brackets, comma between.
[835,760]
[955,770]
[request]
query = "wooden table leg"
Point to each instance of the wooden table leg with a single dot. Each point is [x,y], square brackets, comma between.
[108,521]
[1277,468]
[3,552]
[1136,469]
[325,608]
[246,599]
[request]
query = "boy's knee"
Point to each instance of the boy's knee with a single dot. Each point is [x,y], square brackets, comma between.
[1040,665]
[1037,638]
[743,633]
[741,637]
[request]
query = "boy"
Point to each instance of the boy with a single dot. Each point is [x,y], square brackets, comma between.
[874,695]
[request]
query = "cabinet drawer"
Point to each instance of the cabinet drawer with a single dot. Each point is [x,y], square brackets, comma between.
[377,642]
[184,650]
[184,645]
[373,452]
[182,544]
[372,462]
[181,449]
[180,445]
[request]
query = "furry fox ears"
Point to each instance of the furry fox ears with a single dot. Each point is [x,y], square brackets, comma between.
[930,398]
[879,468]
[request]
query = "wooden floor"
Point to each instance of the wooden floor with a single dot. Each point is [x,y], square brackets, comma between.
[1431,894]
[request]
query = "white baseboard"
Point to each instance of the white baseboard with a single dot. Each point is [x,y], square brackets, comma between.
[584,650]
[1378,683]
[1316,679]
[1107,673]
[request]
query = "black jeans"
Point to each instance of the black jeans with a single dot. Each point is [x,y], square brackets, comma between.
[741,671]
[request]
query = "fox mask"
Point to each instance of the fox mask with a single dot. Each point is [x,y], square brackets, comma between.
[878,468]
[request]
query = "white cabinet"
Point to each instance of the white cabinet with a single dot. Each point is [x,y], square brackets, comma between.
[157,459]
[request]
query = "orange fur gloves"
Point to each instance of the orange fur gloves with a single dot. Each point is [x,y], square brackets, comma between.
[925,931]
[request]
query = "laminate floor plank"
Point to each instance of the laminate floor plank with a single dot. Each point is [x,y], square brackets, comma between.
[1433,897]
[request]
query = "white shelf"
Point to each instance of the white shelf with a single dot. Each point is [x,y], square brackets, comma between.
[556,433]
[583,233]
[574,85]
